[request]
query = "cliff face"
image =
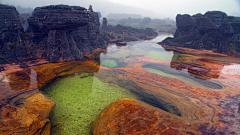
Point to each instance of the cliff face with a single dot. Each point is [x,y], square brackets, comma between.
[55,33]
[63,32]
[213,31]
[10,35]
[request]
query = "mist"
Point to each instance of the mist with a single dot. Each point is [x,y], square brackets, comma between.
[146,8]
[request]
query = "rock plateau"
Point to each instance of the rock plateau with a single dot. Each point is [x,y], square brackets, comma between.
[212,31]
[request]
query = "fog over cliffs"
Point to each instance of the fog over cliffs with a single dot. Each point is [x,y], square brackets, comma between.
[104,6]
[147,8]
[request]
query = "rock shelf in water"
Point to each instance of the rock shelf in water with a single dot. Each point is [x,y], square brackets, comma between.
[204,110]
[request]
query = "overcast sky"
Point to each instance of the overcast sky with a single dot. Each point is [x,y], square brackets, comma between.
[173,7]
[162,8]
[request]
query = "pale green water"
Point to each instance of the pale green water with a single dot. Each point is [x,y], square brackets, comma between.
[109,63]
[79,101]
[187,80]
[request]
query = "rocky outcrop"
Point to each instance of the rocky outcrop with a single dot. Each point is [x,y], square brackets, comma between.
[64,33]
[212,31]
[120,33]
[105,24]
[129,32]
[11,32]
[55,33]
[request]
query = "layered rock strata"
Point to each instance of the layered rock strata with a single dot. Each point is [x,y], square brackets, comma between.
[11,33]
[212,31]
[196,109]
[64,33]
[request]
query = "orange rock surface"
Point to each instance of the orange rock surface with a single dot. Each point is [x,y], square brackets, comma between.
[205,110]
[180,107]
[129,116]
[23,109]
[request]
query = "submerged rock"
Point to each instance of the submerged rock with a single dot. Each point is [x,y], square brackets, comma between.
[212,31]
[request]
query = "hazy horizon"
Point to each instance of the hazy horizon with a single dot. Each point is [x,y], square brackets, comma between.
[146,8]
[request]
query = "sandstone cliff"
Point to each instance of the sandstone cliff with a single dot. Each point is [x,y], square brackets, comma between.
[55,33]
[11,32]
[64,32]
[212,31]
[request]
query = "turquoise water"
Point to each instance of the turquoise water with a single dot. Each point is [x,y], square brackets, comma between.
[79,99]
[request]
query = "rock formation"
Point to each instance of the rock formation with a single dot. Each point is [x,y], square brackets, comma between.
[120,33]
[55,33]
[64,32]
[105,24]
[212,31]
[23,109]
[188,109]
[11,32]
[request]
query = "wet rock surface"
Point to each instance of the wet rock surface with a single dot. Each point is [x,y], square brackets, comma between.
[212,31]
[129,116]
[179,106]
[213,110]
[24,110]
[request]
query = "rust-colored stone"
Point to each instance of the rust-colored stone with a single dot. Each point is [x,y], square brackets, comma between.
[19,120]
[206,110]
[129,116]
[24,110]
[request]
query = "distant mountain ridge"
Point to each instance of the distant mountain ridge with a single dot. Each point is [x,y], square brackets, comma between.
[122,16]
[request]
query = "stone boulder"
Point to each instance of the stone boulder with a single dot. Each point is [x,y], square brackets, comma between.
[212,31]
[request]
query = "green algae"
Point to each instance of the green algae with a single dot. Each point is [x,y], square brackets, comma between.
[187,80]
[79,101]
[109,63]
[160,55]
